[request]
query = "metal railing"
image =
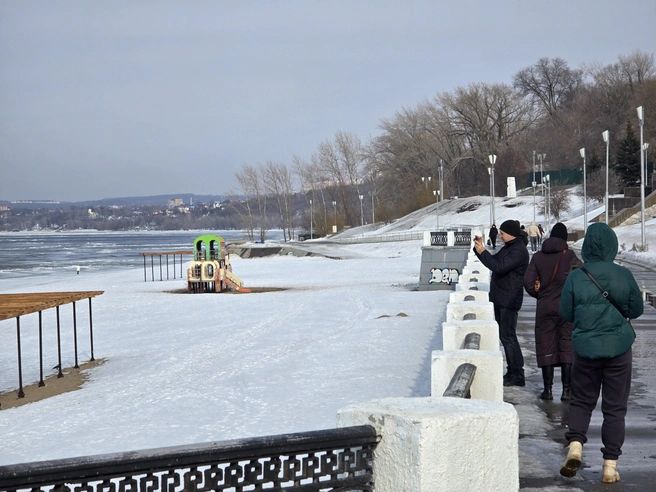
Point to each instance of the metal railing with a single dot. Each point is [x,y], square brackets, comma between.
[383,238]
[326,460]
[461,237]
[621,216]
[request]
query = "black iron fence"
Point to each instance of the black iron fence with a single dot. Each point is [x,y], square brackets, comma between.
[326,460]
[460,238]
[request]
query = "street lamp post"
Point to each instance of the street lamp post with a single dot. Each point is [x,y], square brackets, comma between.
[546,180]
[493,160]
[441,179]
[373,215]
[543,192]
[426,179]
[437,204]
[641,117]
[606,136]
[361,211]
[311,221]
[585,194]
[533,186]
[335,209]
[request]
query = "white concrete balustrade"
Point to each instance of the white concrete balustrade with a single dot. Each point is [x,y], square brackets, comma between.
[488,381]
[441,443]
[481,310]
[454,333]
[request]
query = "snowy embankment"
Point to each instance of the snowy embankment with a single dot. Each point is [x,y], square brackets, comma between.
[184,368]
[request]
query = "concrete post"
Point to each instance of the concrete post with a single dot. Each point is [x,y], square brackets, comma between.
[441,444]
[488,382]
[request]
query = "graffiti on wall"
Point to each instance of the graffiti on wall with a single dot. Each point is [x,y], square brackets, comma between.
[447,276]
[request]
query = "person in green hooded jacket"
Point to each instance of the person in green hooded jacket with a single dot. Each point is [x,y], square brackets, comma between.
[601,338]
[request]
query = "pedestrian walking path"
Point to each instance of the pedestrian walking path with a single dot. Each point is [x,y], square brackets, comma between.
[543,424]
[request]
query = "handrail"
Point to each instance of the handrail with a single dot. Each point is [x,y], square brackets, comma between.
[382,238]
[332,459]
[625,213]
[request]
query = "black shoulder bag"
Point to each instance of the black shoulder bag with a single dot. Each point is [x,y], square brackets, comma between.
[607,296]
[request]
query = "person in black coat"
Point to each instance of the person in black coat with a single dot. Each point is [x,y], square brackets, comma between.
[508,267]
[494,232]
[553,335]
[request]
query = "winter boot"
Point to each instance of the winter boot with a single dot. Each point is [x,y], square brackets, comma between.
[610,474]
[566,377]
[547,377]
[573,460]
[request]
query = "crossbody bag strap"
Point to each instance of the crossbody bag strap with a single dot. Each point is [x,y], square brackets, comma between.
[553,275]
[607,296]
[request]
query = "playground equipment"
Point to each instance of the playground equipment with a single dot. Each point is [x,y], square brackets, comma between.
[211,270]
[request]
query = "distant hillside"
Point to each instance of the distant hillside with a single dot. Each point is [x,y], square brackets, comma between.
[187,198]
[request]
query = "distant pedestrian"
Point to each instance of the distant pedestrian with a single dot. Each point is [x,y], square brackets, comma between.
[533,236]
[78,269]
[494,232]
[544,280]
[541,235]
[523,233]
[508,267]
[602,338]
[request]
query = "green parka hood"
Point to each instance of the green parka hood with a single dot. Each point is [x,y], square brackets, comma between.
[600,243]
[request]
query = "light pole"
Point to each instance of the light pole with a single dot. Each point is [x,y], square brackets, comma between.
[373,216]
[641,117]
[335,209]
[426,179]
[585,194]
[441,179]
[437,203]
[533,182]
[361,211]
[493,160]
[606,136]
[547,207]
[311,220]
[543,192]
[645,146]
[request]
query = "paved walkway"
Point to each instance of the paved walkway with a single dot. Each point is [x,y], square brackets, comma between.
[543,424]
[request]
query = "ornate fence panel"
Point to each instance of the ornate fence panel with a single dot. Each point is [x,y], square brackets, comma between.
[439,238]
[327,460]
[463,238]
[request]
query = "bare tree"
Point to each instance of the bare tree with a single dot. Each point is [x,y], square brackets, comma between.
[487,119]
[339,166]
[558,204]
[278,183]
[550,82]
[596,184]
[250,180]
[636,68]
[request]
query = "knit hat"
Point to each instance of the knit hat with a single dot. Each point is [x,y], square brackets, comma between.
[511,227]
[559,230]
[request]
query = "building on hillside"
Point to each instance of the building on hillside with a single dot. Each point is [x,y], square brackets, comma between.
[175,202]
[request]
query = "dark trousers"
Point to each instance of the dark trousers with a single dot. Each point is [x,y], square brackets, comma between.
[613,377]
[507,321]
[534,243]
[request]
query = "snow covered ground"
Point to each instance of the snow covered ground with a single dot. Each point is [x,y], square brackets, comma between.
[195,368]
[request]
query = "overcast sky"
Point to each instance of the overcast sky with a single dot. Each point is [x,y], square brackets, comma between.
[117,98]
